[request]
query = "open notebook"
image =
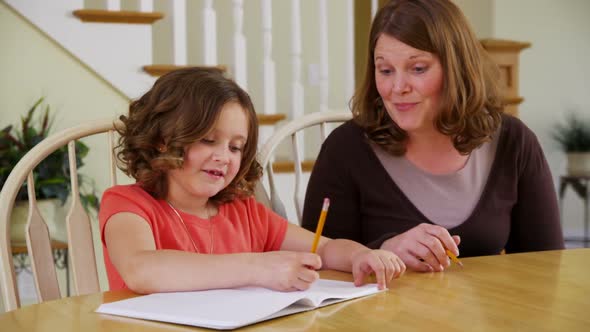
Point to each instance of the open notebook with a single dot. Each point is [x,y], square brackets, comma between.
[233,308]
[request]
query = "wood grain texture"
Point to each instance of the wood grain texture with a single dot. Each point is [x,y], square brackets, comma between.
[121,16]
[270,119]
[543,291]
[503,44]
[159,70]
[289,166]
[21,248]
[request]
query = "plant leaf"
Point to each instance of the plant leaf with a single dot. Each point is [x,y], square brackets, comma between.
[52,178]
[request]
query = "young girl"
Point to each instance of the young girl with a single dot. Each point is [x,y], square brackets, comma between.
[190,222]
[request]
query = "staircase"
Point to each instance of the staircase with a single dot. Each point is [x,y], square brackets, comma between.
[278,51]
[130,43]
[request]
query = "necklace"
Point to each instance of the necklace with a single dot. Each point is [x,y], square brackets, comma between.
[189,234]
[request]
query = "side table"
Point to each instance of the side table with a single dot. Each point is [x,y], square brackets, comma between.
[580,184]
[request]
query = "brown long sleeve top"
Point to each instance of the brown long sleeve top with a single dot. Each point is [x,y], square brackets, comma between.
[517,210]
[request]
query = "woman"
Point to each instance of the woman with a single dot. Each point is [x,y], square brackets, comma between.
[429,162]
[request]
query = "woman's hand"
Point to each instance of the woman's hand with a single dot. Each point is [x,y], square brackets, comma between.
[422,248]
[385,264]
[286,270]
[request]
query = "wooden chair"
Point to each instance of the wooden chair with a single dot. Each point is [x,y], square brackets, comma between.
[293,130]
[82,260]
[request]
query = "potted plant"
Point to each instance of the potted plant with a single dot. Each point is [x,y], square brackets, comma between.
[52,179]
[574,138]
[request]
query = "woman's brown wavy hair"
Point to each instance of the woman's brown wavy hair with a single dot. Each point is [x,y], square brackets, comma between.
[471,105]
[180,109]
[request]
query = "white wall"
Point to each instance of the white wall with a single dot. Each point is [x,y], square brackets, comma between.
[480,14]
[554,77]
[554,73]
[31,66]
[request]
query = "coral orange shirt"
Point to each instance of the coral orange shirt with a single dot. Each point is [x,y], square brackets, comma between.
[240,226]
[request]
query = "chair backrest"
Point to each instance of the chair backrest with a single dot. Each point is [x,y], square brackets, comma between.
[293,129]
[82,260]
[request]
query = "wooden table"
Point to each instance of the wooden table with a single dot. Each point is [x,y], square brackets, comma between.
[543,291]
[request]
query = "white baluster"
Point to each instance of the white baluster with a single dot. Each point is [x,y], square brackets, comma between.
[239,51]
[349,52]
[178,10]
[268,65]
[297,92]
[146,6]
[374,7]
[296,86]
[209,28]
[113,5]
[268,69]
[323,47]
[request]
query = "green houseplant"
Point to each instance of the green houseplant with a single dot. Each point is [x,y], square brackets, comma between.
[52,179]
[573,136]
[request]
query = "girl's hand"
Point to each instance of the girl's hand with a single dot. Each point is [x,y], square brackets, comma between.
[286,270]
[422,248]
[385,264]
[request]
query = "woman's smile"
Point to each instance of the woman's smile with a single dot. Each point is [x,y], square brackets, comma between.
[405,107]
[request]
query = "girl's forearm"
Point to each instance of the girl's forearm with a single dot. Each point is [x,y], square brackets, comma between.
[337,254]
[172,270]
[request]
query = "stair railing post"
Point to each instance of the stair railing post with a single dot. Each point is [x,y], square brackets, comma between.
[239,44]
[297,91]
[268,69]
[209,29]
[349,53]
[179,51]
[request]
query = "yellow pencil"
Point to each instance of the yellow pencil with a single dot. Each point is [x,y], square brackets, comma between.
[454,258]
[320,227]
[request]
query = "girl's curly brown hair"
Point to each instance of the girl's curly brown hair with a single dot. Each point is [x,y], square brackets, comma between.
[180,109]
[471,105]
